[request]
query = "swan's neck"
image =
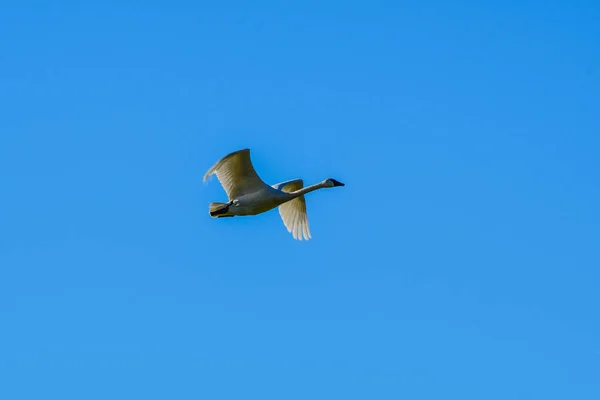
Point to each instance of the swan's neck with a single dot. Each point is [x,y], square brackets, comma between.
[308,189]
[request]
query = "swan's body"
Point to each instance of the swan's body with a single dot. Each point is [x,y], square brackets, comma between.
[249,195]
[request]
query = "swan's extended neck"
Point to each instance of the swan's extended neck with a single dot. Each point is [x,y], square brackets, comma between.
[308,189]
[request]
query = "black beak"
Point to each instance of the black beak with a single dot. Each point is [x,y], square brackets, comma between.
[337,183]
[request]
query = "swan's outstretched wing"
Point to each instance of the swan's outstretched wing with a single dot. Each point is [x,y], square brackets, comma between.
[236,174]
[293,212]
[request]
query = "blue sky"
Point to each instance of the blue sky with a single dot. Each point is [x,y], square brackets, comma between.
[459,261]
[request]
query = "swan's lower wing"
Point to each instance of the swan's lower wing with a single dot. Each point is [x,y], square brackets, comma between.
[293,212]
[289,186]
[236,174]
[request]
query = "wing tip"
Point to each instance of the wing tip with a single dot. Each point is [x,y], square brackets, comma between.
[214,168]
[302,234]
[237,152]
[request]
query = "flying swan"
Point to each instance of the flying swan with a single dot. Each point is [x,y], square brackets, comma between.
[249,195]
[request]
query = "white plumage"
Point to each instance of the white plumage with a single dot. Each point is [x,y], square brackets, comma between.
[248,194]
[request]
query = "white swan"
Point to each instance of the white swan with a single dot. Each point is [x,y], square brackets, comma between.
[249,195]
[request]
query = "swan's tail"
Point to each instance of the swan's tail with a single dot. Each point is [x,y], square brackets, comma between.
[218,209]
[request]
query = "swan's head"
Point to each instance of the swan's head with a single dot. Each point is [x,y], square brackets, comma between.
[333,183]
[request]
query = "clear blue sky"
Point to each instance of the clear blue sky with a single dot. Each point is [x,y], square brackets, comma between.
[460,261]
